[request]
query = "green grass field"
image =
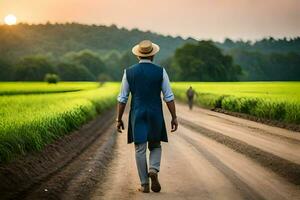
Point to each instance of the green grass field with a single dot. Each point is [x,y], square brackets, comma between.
[29,122]
[271,100]
[35,114]
[13,88]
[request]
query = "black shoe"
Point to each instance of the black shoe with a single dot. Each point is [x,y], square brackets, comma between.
[155,186]
[144,188]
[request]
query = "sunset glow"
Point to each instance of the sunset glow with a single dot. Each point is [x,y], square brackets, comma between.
[10,20]
[210,19]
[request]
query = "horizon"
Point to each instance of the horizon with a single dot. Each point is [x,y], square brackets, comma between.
[154,32]
[205,19]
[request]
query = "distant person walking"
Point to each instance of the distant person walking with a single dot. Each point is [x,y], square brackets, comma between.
[145,81]
[190,94]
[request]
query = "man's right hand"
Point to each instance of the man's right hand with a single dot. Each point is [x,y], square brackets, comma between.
[120,126]
[174,125]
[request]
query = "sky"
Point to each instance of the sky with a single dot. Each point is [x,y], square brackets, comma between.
[201,19]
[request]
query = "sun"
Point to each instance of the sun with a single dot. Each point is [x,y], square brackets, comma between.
[10,20]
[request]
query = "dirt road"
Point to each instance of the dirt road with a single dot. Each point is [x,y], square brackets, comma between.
[195,166]
[211,156]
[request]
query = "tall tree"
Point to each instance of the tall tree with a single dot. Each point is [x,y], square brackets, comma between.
[91,61]
[74,72]
[33,68]
[205,62]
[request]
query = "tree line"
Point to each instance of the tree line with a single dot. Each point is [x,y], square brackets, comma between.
[77,52]
[265,45]
[84,65]
[267,59]
[202,61]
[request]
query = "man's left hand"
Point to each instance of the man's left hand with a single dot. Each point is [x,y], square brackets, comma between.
[174,125]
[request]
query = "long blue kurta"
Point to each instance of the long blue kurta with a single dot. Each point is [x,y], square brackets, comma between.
[146,122]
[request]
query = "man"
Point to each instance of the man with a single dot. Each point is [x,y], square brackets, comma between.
[145,81]
[190,93]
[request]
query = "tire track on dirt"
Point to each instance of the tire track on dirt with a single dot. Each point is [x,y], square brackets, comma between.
[246,191]
[77,180]
[261,180]
[258,130]
[285,168]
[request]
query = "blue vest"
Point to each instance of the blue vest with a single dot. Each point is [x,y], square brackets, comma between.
[146,121]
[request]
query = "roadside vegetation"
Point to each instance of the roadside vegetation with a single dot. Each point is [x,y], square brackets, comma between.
[270,100]
[34,114]
[29,122]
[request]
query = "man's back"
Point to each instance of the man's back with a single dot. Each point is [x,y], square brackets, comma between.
[145,82]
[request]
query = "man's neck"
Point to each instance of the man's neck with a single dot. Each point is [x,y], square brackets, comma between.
[145,61]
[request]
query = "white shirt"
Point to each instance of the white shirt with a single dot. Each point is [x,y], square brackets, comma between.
[165,86]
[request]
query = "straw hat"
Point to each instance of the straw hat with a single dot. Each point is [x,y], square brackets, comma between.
[145,49]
